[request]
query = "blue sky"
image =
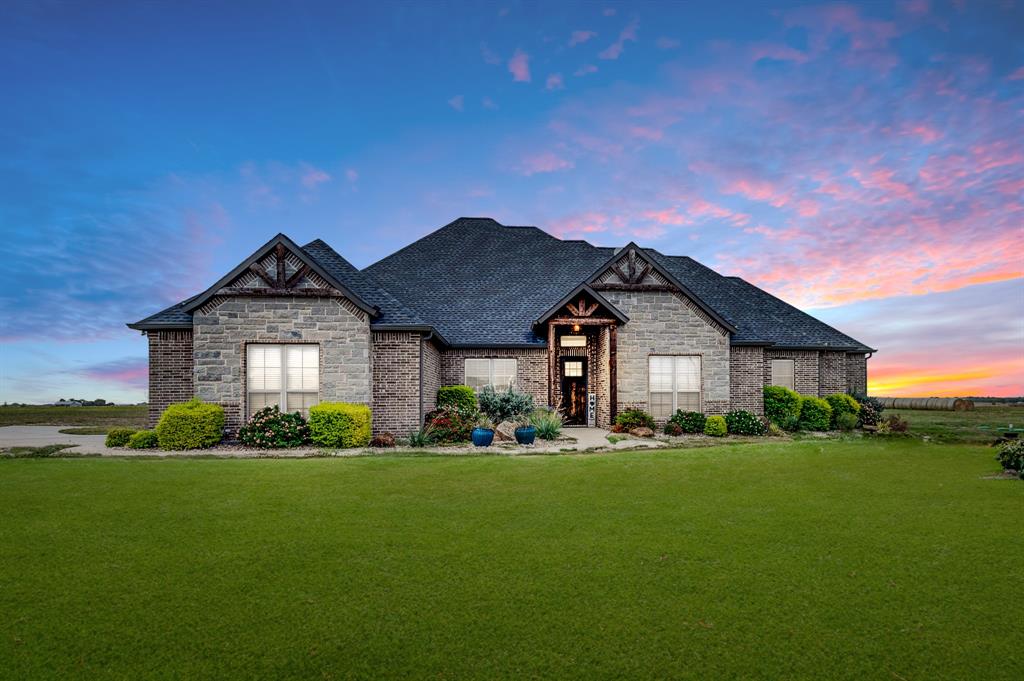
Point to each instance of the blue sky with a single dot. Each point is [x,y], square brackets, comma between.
[864,161]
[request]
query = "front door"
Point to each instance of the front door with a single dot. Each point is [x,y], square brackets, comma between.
[574,391]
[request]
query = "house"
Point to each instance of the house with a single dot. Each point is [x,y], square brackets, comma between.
[592,330]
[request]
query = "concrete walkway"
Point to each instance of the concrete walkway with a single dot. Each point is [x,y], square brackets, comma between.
[40,436]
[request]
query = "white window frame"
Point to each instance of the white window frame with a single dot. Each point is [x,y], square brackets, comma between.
[675,382]
[792,374]
[490,370]
[283,391]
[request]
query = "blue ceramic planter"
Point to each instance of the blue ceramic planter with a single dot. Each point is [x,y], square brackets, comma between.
[526,435]
[482,437]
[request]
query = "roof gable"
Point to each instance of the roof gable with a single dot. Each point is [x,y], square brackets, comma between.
[583,301]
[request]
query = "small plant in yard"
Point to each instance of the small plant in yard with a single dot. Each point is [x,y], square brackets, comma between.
[420,438]
[616,428]
[144,439]
[742,422]
[505,405]
[815,414]
[339,424]
[635,418]
[715,426]
[673,428]
[689,421]
[548,423]
[893,425]
[459,397]
[871,409]
[449,425]
[383,441]
[846,421]
[192,425]
[615,438]
[119,437]
[1011,457]
[781,405]
[842,404]
[270,428]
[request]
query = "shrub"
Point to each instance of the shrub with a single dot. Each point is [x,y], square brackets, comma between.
[119,437]
[547,423]
[339,424]
[716,426]
[846,421]
[144,439]
[506,405]
[689,421]
[842,404]
[781,405]
[192,425]
[616,428]
[815,414]
[459,397]
[448,426]
[383,440]
[419,438]
[635,418]
[870,409]
[270,428]
[742,422]
[893,425]
[1011,456]
[673,428]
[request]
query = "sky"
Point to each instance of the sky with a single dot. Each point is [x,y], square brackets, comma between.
[864,162]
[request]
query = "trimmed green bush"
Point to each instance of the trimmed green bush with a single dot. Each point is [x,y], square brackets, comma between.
[270,428]
[673,428]
[119,437]
[1011,456]
[742,422]
[449,425]
[689,421]
[842,404]
[781,405]
[144,439]
[715,426]
[192,425]
[815,414]
[459,397]
[506,405]
[339,424]
[634,418]
[846,421]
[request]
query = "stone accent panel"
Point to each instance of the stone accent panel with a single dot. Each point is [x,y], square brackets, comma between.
[746,378]
[531,368]
[396,382]
[668,323]
[226,325]
[170,370]
[805,364]
[831,373]
[857,373]
[431,375]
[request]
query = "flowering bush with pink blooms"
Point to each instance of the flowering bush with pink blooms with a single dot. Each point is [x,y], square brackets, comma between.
[270,428]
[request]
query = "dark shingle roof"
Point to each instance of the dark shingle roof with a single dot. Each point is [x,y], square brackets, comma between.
[477,282]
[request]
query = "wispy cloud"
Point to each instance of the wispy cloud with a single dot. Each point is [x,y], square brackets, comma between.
[312,176]
[457,102]
[584,70]
[519,66]
[554,82]
[129,372]
[666,43]
[628,34]
[580,37]
[543,162]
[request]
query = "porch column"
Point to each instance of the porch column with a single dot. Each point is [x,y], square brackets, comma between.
[613,374]
[551,364]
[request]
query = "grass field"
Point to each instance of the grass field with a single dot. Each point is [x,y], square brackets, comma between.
[980,426]
[129,416]
[865,559]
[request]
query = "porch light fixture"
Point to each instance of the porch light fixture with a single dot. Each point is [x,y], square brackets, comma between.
[575,328]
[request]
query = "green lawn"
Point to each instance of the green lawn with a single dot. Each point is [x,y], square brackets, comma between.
[129,416]
[865,559]
[980,426]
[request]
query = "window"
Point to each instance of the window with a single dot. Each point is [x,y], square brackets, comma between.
[784,373]
[501,373]
[674,383]
[573,341]
[285,375]
[573,369]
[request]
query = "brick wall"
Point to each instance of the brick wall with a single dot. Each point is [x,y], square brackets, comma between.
[664,323]
[857,373]
[805,364]
[226,325]
[746,378]
[170,370]
[831,373]
[396,382]
[431,374]
[531,368]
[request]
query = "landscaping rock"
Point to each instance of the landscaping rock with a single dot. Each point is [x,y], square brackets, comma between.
[505,432]
[642,432]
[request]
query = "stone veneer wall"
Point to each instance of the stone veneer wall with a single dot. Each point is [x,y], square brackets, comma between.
[223,327]
[805,364]
[857,373]
[665,323]
[431,374]
[170,370]
[746,378]
[531,367]
[603,379]
[396,382]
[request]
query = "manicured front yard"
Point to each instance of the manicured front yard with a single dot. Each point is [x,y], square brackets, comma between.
[131,416]
[861,560]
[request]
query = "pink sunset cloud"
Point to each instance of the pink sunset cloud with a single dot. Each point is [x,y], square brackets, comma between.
[544,162]
[519,67]
[628,34]
[580,37]
[554,82]
[130,373]
[585,70]
[314,176]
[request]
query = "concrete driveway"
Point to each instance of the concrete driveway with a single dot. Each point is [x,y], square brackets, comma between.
[40,436]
